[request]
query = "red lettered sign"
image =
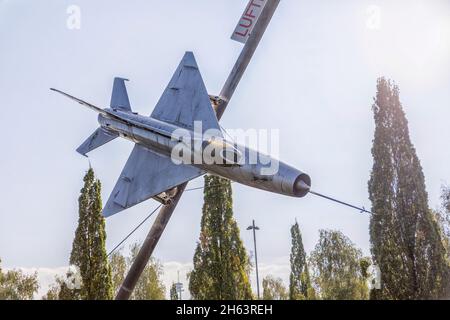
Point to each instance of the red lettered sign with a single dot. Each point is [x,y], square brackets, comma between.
[248,20]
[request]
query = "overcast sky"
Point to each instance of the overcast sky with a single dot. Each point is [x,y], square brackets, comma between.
[313,77]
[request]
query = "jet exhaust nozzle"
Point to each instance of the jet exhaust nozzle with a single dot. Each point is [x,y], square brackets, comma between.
[302,185]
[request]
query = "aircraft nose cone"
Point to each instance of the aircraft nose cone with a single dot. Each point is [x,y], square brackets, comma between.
[302,185]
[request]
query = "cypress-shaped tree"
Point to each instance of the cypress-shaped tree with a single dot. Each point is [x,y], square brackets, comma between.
[405,239]
[221,265]
[299,280]
[88,249]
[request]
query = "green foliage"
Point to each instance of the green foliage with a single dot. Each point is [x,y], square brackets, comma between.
[88,249]
[336,268]
[15,285]
[221,265]
[61,291]
[52,293]
[364,265]
[443,218]
[173,292]
[149,285]
[119,268]
[273,289]
[299,281]
[405,238]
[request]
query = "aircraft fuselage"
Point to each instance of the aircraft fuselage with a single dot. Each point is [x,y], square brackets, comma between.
[240,163]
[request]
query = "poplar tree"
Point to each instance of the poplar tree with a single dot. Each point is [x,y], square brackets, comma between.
[405,238]
[221,264]
[88,249]
[299,280]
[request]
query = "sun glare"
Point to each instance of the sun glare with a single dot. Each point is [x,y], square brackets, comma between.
[409,40]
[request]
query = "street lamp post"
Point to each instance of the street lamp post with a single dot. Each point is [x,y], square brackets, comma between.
[179,287]
[254,228]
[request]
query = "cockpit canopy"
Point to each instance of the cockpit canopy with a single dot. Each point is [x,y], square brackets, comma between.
[221,152]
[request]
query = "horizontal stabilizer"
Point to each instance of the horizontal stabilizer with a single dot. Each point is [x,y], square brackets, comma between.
[97,139]
[145,175]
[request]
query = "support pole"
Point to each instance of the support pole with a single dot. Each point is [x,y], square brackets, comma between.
[246,56]
[225,96]
[148,246]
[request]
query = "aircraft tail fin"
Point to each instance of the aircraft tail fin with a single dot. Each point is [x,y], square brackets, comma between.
[97,139]
[119,97]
